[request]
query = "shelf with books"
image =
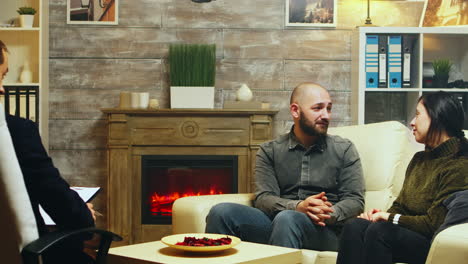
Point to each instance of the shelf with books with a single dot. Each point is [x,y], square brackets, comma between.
[28,59]
[22,101]
[378,94]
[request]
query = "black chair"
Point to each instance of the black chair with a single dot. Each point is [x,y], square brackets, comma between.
[20,238]
[31,252]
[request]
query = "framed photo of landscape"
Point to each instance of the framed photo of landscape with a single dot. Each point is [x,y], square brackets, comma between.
[444,13]
[98,12]
[311,13]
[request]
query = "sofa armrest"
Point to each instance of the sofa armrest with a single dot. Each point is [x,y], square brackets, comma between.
[450,246]
[189,213]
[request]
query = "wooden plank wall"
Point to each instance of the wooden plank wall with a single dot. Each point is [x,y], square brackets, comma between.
[90,65]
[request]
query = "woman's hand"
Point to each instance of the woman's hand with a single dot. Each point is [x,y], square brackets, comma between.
[380,216]
[368,215]
[374,215]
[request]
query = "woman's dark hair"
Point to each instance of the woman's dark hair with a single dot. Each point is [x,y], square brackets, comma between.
[2,48]
[447,114]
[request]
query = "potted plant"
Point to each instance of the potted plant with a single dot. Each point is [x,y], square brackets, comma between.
[442,69]
[26,16]
[192,75]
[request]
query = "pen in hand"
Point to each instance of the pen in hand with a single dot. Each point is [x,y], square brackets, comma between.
[96,213]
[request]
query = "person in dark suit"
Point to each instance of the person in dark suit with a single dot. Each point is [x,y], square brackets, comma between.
[44,184]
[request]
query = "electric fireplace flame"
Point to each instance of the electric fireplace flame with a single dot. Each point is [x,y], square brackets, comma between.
[161,205]
[166,178]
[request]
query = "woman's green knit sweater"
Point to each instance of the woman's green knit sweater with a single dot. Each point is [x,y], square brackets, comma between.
[431,177]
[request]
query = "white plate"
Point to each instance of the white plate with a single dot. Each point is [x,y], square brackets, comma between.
[173,239]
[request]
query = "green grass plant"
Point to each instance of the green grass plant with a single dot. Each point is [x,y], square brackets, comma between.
[442,67]
[192,64]
[26,10]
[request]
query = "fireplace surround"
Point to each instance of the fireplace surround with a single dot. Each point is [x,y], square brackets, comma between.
[216,146]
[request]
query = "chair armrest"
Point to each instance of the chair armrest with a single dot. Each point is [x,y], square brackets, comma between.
[450,246]
[189,213]
[33,250]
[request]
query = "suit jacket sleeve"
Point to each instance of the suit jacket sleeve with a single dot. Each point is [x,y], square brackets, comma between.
[43,181]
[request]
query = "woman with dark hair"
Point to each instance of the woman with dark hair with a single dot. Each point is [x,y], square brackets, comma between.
[404,232]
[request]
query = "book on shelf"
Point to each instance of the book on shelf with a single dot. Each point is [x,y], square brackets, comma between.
[389,60]
[372,61]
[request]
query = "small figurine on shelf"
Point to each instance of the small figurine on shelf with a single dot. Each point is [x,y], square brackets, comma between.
[26,18]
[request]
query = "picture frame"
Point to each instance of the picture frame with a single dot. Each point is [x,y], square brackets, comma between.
[444,13]
[311,13]
[97,12]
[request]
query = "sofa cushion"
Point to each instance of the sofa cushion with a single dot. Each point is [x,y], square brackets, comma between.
[457,206]
[318,257]
[387,156]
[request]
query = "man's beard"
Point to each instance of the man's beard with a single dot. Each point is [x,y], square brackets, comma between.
[311,129]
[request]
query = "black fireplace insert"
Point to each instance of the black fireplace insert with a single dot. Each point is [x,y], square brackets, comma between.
[166,178]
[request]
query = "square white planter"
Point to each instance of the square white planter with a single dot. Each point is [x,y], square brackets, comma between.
[192,97]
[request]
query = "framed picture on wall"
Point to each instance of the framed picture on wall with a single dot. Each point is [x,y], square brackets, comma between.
[443,13]
[311,13]
[101,12]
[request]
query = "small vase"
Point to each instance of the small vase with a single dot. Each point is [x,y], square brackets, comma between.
[26,74]
[244,93]
[26,21]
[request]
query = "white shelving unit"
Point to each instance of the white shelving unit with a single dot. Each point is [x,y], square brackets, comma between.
[27,46]
[371,105]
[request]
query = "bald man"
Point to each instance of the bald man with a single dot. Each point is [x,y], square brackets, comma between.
[308,183]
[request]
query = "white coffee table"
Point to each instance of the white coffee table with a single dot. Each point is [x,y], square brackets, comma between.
[245,253]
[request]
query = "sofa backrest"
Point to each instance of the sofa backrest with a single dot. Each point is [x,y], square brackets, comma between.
[385,149]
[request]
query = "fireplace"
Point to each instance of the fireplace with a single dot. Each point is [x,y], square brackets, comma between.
[155,156]
[165,178]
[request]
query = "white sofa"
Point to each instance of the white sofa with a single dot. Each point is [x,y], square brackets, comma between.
[385,150]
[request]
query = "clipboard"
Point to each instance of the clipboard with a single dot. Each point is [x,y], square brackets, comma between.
[86,194]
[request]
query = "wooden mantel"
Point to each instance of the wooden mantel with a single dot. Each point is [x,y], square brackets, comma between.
[165,111]
[133,133]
